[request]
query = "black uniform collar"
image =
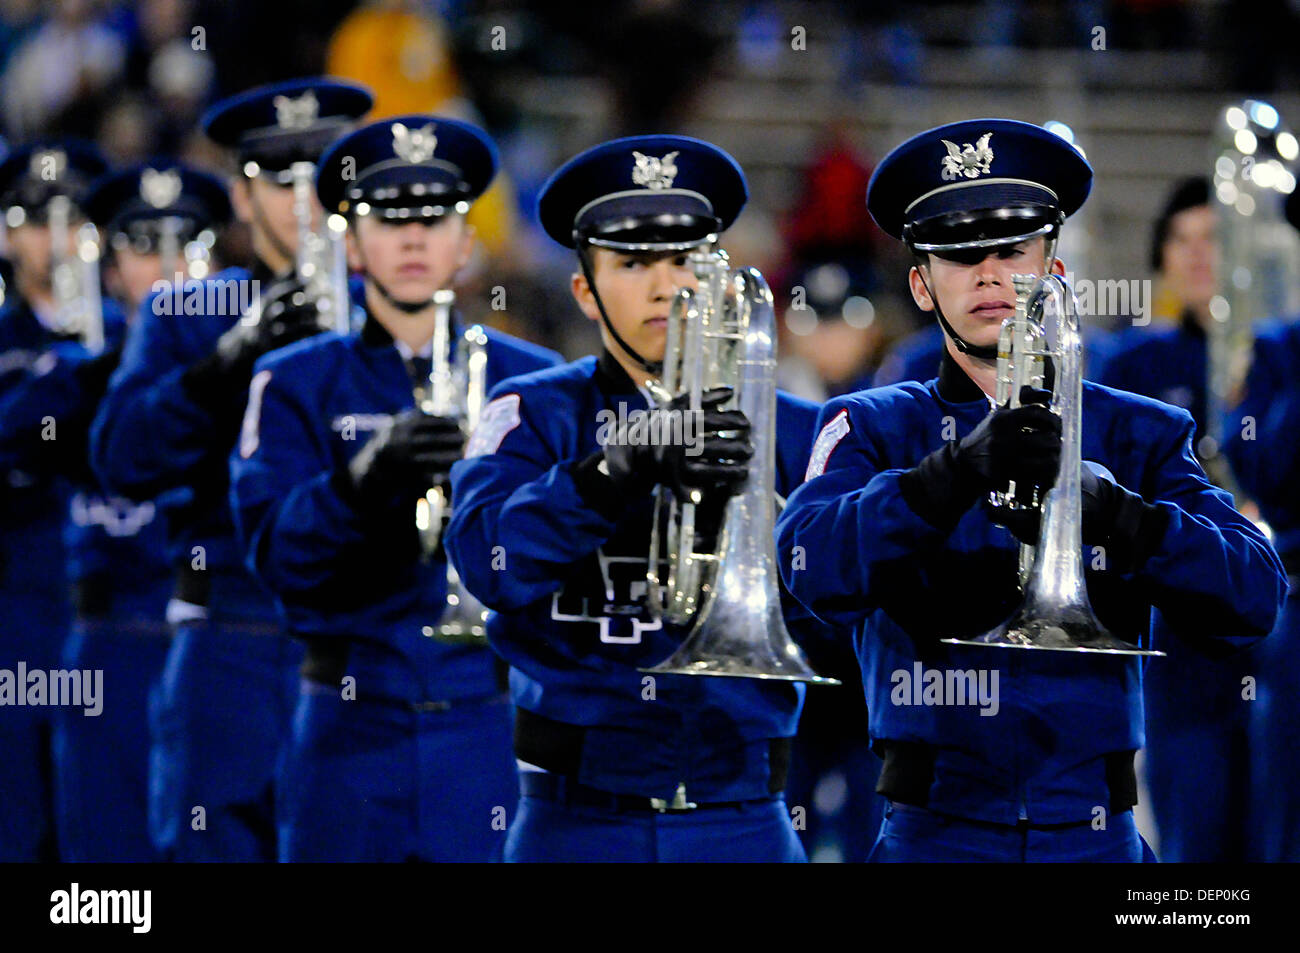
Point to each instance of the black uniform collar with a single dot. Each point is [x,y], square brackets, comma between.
[955,386]
[24,315]
[610,376]
[262,272]
[1190,326]
[374,334]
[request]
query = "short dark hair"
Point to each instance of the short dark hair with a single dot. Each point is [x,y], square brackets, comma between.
[1189,193]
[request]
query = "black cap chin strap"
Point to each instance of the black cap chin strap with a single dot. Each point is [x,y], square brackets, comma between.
[650,367]
[983,352]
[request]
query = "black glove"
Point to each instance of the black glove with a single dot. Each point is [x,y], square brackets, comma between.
[717,459]
[1124,526]
[220,381]
[411,453]
[1021,444]
[1127,528]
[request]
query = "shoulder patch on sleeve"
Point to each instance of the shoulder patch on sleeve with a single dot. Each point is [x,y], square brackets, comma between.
[827,441]
[249,434]
[499,417]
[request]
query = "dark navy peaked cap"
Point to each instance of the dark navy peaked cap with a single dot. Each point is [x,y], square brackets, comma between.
[31,174]
[975,181]
[643,191]
[288,122]
[406,167]
[157,189]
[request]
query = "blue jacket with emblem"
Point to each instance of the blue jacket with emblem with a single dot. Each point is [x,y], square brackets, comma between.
[871,563]
[152,441]
[339,576]
[111,543]
[567,582]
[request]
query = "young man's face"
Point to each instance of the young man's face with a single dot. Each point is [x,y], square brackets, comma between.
[30,250]
[977,297]
[275,203]
[1190,256]
[412,259]
[137,274]
[637,290]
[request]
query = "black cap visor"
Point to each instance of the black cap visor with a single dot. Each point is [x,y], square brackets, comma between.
[967,236]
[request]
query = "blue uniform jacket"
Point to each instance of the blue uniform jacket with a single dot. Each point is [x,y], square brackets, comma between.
[568,586]
[1263,435]
[150,440]
[313,406]
[108,540]
[914,358]
[870,562]
[1167,363]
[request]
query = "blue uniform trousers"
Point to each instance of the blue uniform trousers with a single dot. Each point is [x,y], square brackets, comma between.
[378,781]
[1225,786]
[218,725]
[1198,756]
[749,832]
[101,763]
[916,835]
[34,620]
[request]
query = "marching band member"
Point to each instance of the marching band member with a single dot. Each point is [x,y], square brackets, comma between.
[400,748]
[894,545]
[1267,465]
[1197,722]
[116,548]
[1168,363]
[551,528]
[165,431]
[34,498]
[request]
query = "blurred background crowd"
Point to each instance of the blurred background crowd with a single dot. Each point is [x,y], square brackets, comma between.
[805,94]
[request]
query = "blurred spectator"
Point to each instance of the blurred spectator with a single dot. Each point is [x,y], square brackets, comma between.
[829,219]
[831,337]
[60,76]
[1168,361]
[832,332]
[170,65]
[401,51]
[18,18]
[127,131]
[1185,253]
[885,44]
